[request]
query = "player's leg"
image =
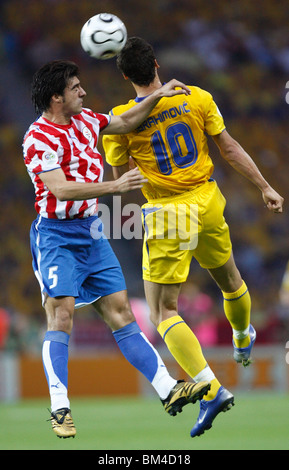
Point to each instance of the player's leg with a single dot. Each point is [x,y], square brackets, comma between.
[214,253]
[166,264]
[186,349]
[59,313]
[178,336]
[136,348]
[237,304]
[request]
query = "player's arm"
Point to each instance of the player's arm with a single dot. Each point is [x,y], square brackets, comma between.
[131,119]
[236,156]
[64,190]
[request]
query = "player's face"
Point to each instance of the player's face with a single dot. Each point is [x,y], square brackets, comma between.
[73,97]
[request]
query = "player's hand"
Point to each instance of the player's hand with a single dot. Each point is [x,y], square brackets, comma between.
[129,181]
[273,200]
[174,87]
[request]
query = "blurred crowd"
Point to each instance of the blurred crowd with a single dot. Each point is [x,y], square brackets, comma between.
[239,52]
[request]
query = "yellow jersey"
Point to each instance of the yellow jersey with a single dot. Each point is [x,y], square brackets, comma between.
[170,146]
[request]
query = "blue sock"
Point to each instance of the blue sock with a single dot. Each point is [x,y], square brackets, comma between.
[55,362]
[137,349]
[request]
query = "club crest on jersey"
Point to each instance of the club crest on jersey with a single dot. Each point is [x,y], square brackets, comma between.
[87,133]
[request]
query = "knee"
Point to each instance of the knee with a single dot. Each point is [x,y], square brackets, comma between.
[155,318]
[232,283]
[164,311]
[124,314]
[64,321]
[119,317]
[61,321]
[59,317]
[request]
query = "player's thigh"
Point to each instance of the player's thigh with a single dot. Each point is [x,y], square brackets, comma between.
[59,312]
[167,245]
[214,245]
[162,300]
[115,310]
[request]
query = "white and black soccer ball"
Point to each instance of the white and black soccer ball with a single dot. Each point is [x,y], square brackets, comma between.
[103,36]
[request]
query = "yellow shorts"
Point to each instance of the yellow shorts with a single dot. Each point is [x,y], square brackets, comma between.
[178,228]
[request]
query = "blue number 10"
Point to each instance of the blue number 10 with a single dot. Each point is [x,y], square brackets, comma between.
[174,133]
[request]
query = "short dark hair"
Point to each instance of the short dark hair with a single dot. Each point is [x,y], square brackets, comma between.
[51,79]
[137,61]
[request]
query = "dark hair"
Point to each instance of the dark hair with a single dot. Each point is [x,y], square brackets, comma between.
[137,61]
[51,79]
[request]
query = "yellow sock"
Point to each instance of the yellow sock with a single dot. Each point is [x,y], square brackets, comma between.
[215,385]
[237,307]
[186,349]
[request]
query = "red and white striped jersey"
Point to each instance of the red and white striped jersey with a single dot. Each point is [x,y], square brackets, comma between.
[48,146]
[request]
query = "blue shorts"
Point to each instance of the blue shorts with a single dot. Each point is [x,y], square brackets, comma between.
[73,258]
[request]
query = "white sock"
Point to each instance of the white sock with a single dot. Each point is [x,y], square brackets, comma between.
[206,375]
[241,334]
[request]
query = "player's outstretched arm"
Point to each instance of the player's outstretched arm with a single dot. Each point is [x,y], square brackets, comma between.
[236,156]
[273,200]
[65,190]
[131,119]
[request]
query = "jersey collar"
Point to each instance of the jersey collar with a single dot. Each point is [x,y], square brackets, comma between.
[139,99]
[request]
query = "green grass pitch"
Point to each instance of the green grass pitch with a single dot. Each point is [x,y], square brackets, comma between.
[256,422]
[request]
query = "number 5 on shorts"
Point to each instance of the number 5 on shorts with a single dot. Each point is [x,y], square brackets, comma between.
[52,275]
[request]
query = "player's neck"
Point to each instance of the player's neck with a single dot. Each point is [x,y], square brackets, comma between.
[56,118]
[143,91]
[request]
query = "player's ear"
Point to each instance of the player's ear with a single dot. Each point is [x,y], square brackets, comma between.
[57,98]
[156,64]
[124,76]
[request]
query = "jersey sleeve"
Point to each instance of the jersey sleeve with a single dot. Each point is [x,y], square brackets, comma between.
[115,148]
[214,122]
[103,119]
[39,155]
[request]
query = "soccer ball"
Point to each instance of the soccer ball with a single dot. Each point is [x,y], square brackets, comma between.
[103,36]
